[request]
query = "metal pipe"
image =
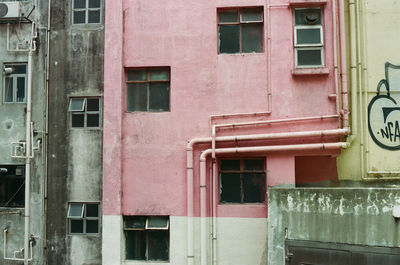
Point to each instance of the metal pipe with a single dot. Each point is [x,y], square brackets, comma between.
[353,68]
[203,213]
[14,258]
[345,104]
[335,55]
[190,203]
[214,211]
[269,81]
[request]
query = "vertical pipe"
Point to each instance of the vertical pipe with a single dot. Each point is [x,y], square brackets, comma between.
[353,67]
[189,170]
[335,54]
[269,82]
[345,105]
[214,211]
[203,211]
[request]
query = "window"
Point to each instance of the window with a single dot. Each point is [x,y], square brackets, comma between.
[242,180]
[148,89]
[84,112]
[83,218]
[14,83]
[240,30]
[12,186]
[86,11]
[308,37]
[147,238]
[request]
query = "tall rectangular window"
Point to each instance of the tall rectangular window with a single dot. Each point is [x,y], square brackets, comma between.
[148,89]
[85,112]
[83,218]
[240,30]
[14,83]
[308,37]
[242,180]
[12,186]
[86,11]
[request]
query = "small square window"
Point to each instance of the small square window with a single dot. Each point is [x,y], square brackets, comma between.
[14,83]
[86,11]
[148,89]
[147,238]
[12,186]
[240,30]
[85,112]
[83,218]
[242,180]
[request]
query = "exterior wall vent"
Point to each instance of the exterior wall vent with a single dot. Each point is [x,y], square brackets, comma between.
[10,10]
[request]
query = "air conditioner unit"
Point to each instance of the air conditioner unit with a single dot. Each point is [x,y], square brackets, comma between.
[9,10]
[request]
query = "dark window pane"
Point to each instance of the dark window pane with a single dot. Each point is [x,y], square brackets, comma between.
[92,104]
[230,187]
[77,104]
[253,164]
[252,38]
[92,120]
[19,69]
[20,89]
[135,245]
[135,222]
[136,97]
[12,191]
[79,3]
[79,17]
[157,222]
[251,15]
[308,36]
[309,57]
[8,93]
[78,120]
[94,16]
[92,210]
[76,226]
[230,164]
[228,16]
[155,75]
[94,3]
[75,210]
[229,39]
[158,245]
[136,75]
[159,96]
[92,226]
[253,188]
[309,16]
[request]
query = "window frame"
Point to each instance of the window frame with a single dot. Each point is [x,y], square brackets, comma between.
[87,9]
[8,176]
[241,171]
[148,82]
[85,112]
[240,23]
[85,218]
[15,78]
[313,46]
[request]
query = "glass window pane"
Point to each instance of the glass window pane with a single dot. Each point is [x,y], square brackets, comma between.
[136,97]
[75,210]
[79,3]
[12,192]
[252,38]
[228,16]
[92,210]
[159,96]
[308,36]
[8,92]
[230,187]
[136,75]
[159,75]
[78,120]
[19,69]
[229,39]
[20,89]
[92,104]
[92,226]
[76,226]
[137,222]
[251,15]
[92,120]
[79,17]
[158,245]
[77,104]
[157,222]
[94,3]
[253,164]
[311,16]
[94,16]
[135,245]
[309,57]
[230,164]
[253,188]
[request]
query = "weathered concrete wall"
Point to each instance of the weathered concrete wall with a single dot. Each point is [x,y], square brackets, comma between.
[343,215]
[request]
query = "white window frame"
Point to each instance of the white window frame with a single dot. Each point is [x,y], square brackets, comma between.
[86,9]
[83,217]
[15,78]
[85,112]
[316,46]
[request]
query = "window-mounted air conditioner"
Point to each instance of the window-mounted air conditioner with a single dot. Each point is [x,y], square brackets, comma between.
[10,10]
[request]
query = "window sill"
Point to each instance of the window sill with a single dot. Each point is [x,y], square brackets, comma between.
[296,3]
[310,71]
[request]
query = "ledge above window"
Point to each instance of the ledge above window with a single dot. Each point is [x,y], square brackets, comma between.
[310,71]
[308,3]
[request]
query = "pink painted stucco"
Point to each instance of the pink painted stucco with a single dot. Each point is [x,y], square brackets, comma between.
[145,152]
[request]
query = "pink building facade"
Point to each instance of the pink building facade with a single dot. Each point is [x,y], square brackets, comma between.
[206,104]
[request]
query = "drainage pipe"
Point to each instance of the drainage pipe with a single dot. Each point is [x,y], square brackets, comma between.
[353,67]
[345,104]
[335,55]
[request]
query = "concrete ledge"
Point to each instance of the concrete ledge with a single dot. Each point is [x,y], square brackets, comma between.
[296,3]
[310,71]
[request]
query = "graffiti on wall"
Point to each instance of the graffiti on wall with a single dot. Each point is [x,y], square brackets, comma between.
[384,110]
